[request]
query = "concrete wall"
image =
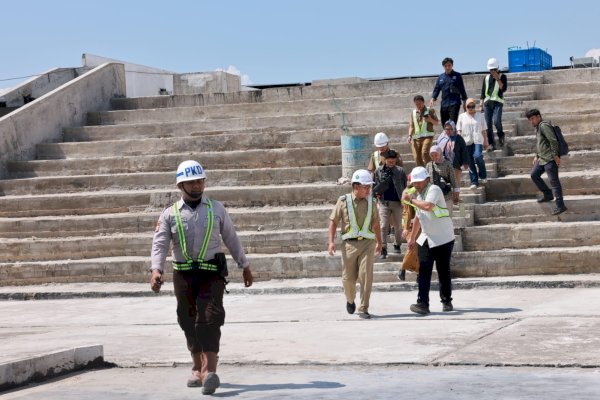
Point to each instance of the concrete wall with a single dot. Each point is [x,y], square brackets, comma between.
[206,82]
[38,86]
[141,80]
[44,119]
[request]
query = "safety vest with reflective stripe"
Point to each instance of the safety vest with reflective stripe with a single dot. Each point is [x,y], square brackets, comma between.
[494,96]
[376,159]
[353,231]
[421,130]
[439,212]
[189,263]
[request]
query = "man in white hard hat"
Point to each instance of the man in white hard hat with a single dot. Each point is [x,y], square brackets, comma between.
[382,142]
[492,100]
[361,240]
[196,224]
[435,241]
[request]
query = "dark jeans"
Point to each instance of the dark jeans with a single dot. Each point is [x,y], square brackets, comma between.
[441,256]
[552,170]
[476,163]
[450,112]
[200,311]
[493,114]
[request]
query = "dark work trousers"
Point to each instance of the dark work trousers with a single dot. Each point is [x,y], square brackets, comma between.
[200,311]
[493,115]
[441,256]
[450,112]
[552,170]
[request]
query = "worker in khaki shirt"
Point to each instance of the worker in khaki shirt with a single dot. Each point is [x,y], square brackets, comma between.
[361,240]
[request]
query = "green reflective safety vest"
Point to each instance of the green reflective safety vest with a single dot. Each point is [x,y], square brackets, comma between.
[439,212]
[494,96]
[354,232]
[376,159]
[189,263]
[420,130]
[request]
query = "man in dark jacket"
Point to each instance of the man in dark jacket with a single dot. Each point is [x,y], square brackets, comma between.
[452,87]
[546,160]
[390,182]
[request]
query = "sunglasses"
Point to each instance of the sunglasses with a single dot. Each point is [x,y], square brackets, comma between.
[471,106]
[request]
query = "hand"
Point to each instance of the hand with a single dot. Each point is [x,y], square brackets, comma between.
[431,102]
[455,197]
[412,243]
[247,276]
[331,248]
[378,248]
[405,233]
[486,145]
[156,280]
[408,139]
[557,160]
[534,160]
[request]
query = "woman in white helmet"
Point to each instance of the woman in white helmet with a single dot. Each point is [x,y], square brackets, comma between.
[196,225]
[492,100]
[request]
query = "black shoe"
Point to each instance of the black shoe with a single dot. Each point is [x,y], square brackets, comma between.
[559,210]
[402,275]
[364,315]
[350,307]
[397,249]
[383,255]
[545,199]
[419,308]
[448,307]
[501,141]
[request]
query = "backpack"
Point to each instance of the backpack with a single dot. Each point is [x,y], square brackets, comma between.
[563,146]
[440,181]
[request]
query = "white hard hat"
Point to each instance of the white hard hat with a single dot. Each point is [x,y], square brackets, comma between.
[418,174]
[362,176]
[381,139]
[492,63]
[190,170]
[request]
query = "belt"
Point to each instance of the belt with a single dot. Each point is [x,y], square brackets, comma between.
[358,238]
[209,265]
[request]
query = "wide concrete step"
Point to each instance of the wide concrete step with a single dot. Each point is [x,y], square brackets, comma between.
[574,161]
[538,261]
[237,159]
[584,122]
[531,235]
[205,142]
[581,104]
[577,142]
[149,180]
[580,208]
[506,262]
[520,186]
[567,90]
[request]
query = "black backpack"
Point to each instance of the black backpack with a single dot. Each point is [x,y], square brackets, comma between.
[563,146]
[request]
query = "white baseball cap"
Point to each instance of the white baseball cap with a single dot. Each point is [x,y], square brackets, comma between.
[418,174]
[362,176]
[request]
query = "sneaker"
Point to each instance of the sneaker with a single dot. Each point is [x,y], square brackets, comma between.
[473,187]
[448,307]
[364,315]
[484,181]
[383,255]
[211,383]
[402,275]
[419,308]
[350,307]
[397,249]
[559,210]
[194,380]
[545,199]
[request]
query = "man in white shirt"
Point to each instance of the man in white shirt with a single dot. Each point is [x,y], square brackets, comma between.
[435,241]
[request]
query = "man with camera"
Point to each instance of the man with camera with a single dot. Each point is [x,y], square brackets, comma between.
[196,224]
[421,130]
[390,182]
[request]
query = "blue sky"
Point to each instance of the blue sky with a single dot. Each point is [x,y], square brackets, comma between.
[279,41]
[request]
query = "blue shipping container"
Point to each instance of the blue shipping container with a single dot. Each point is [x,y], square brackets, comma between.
[532,59]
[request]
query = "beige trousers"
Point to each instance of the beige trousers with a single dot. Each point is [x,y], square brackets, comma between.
[390,213]
[357,264]
[420,149]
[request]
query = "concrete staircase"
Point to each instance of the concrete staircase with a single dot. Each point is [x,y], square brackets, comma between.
[85,209]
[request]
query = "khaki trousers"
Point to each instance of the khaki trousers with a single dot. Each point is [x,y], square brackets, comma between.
[357,264]
[420,149]
[390,210]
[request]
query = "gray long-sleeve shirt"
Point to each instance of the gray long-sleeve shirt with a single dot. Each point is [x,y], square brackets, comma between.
[195,223]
